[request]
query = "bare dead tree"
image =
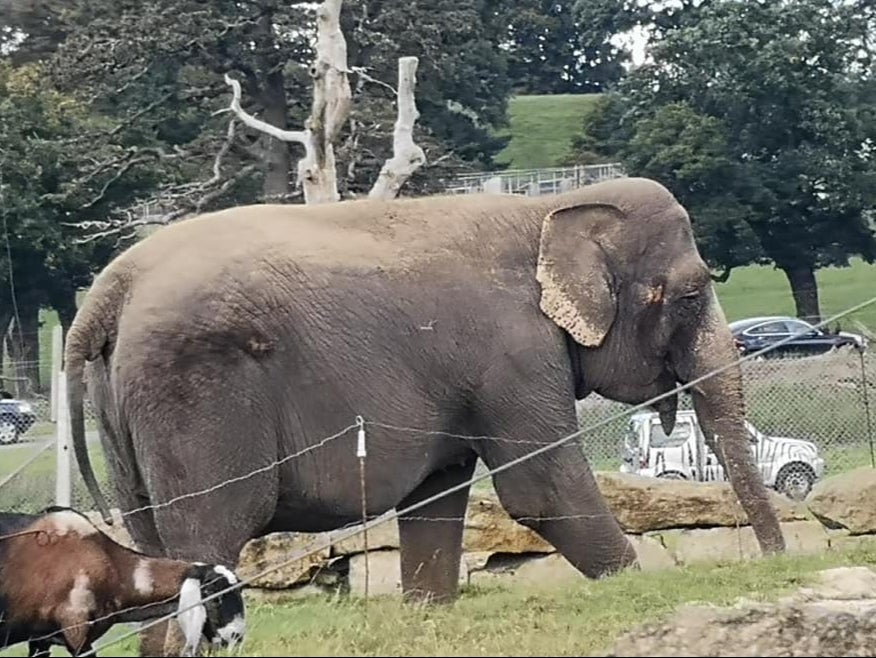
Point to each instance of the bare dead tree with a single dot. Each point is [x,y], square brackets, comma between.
[330,110]
[407,157]
[316,173]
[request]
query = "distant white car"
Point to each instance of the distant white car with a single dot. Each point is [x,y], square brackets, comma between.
[790,466]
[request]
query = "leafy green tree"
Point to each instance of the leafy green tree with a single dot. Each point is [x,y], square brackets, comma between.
[558,46]
[159,67]
[43,194]
[758,115]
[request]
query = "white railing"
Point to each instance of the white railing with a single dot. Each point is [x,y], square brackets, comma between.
[535,182]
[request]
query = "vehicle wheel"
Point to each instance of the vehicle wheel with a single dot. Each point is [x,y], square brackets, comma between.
[795,480]
[672,475]
[8,432]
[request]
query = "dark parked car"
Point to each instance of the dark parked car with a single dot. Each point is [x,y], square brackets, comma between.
[16,417]
[755,334]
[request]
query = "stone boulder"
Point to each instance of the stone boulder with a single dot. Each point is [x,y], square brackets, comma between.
[642,504]
[532,571]
[846,500]
[383,573]
[271,550]
[382,535]
[489,528]
[833,617]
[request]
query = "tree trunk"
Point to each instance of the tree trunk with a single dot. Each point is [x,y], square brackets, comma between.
[23,344]
[277,181]
[64,303]
[805,291]
[5,319]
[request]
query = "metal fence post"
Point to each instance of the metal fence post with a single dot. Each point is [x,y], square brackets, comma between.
[864,384]
[57,357]
[63,485]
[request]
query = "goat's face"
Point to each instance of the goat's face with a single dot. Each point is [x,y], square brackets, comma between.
[219,620]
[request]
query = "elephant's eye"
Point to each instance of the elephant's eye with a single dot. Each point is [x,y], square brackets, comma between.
[691,294]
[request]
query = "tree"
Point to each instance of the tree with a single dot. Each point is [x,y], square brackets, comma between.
[757,116]
[159,68]
[558,46]
[42,194]
[317,171]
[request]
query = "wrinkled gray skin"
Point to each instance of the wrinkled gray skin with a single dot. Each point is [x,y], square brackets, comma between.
[225,342]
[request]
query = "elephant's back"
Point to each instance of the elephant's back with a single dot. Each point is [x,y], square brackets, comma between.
[365,233]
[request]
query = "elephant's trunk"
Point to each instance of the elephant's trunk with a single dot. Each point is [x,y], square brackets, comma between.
[720,408]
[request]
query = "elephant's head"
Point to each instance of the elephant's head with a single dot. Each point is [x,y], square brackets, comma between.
[620,273]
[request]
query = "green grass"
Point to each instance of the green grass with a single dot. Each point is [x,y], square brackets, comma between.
[542,128]
[576,618]
[34,487]
[764,290]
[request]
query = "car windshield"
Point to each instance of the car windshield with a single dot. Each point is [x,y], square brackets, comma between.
[680,434]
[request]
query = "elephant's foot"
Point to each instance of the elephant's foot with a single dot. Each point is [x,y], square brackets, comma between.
[430,537]
[563,504]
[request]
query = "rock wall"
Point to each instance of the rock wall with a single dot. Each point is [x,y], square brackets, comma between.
[669,522]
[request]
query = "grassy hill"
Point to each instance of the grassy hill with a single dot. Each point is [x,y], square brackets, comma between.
[542,128]
[763,290]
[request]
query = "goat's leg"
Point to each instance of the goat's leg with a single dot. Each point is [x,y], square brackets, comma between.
[39,649]
[75,632]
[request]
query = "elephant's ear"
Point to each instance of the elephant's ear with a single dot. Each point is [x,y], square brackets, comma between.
[577,286]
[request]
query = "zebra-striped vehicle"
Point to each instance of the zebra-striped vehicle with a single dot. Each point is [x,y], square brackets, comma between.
[790,466]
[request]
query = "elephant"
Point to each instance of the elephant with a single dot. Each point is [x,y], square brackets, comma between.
[458,327]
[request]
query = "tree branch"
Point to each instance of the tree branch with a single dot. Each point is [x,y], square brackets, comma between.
[407,156]
[188,197]
[329,111]
[299,136]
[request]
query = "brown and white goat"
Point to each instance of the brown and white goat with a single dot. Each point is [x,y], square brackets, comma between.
[64,582]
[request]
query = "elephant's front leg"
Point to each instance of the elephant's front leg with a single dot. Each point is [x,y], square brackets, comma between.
[430,537]
[555,493]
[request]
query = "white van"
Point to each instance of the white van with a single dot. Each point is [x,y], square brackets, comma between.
[790,466]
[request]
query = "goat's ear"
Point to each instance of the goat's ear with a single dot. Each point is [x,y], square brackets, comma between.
[198,571]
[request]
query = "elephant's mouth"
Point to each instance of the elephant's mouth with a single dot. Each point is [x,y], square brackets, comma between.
[663,382]
[666,407]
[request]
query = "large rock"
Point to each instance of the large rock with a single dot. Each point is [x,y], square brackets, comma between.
[271,550]
[693,545]
[383,573]
[642,504]
[833,617]
[651,553]
[382,535]
[846,500]
[551,570]
[842,584]
[489,528]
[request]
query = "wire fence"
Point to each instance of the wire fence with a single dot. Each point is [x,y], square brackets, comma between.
[825,400]
[816,408]
[809,417]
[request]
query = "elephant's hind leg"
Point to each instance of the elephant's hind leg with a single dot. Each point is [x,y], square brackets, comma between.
[430,537]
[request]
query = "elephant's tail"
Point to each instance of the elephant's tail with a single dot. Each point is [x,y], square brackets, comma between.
[93,329]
